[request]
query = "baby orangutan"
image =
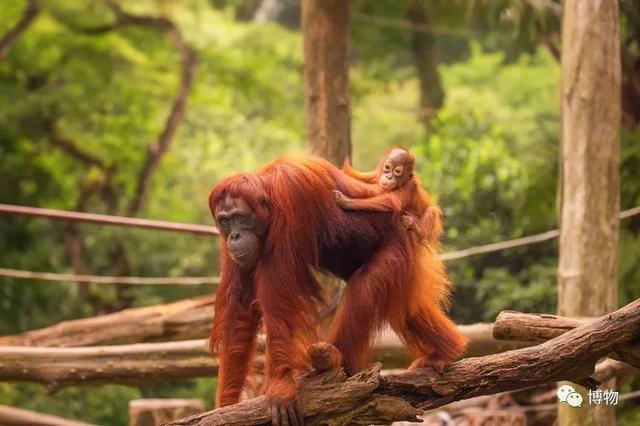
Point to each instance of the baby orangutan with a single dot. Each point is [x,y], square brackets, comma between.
[394,187]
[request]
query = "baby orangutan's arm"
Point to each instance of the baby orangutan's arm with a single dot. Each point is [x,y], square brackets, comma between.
[387,202]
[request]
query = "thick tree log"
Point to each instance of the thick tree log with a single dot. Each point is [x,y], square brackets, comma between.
[512,325]
[182,320]
[369,398]
[191,319]
[325,27]
[589,178]
[540,327]
[58,367]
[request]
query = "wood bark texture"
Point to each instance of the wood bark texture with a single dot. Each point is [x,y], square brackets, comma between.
[325,26]
[367,398]
[191,319]
[182,320]
[127,364]
[591,114]
[541,327]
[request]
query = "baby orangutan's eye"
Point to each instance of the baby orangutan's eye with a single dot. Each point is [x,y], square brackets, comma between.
[397,171]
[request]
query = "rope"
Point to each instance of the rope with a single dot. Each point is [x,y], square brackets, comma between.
[517,242]
[102,279]
[211,230]
[109,220]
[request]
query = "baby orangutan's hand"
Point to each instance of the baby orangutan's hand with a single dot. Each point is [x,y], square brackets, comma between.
[408,221]
[340,198]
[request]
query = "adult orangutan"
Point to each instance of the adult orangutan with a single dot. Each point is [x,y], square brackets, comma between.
[395,187]
[277,226]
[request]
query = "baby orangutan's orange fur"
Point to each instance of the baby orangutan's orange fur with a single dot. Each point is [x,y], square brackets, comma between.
[394,187]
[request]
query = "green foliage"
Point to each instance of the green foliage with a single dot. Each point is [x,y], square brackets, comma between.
[490,160]
[74,403]
[109,95]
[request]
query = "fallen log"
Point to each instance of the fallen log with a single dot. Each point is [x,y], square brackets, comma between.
[511,325]
[182,320]
[367,397]
[191,319]
[142,362]
[517,326]
[126,364]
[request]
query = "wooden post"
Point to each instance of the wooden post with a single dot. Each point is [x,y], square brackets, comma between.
[325,26]
[425,56]
[588,265]
[154,412]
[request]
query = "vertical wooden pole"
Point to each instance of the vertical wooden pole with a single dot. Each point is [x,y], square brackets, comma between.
[425,56]
[590,200]
[325,26]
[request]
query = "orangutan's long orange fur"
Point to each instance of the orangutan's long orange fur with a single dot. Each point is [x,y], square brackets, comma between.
[391,278]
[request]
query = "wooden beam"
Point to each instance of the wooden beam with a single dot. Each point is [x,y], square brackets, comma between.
[191,319]
[182,320]
[367,397]
[11,416]
[56,367]
[128,364]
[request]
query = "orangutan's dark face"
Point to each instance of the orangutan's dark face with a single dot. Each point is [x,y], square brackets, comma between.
[241,229]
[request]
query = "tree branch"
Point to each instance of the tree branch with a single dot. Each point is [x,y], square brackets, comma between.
[188,58]
[540,327]
[368,398]
[31,11]
[70,148]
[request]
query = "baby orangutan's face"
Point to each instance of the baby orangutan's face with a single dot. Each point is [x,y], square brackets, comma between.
[397,169]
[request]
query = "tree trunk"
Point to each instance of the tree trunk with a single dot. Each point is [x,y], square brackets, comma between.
[588,265]
[425,56]
[325,25]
